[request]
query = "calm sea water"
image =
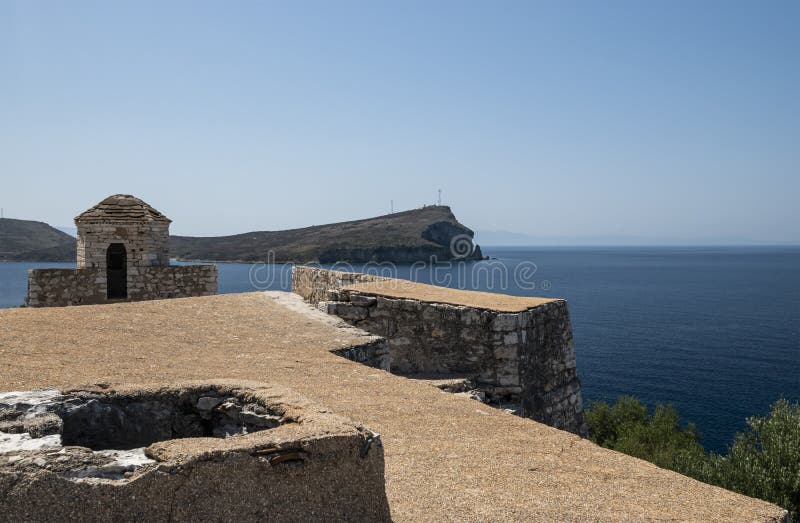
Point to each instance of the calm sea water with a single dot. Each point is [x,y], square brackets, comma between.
[715,331]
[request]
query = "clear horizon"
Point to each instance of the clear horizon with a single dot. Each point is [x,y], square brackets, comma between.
[551,120]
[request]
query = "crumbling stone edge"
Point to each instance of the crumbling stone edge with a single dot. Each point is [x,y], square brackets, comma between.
[298,459]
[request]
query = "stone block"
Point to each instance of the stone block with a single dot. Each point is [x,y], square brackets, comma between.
[335,295]
[507,380]
[470,316]
[430,313]
[506,352]
[505,322]
[400,342]
[387,303]
[409,305]
[468,335]
[438,332]
[347,311]
[361,300]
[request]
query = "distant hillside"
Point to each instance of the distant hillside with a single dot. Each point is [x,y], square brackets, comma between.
[402,237]
[34,241]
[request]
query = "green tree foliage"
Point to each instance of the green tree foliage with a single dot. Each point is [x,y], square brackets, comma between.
[762,462]
[627,427]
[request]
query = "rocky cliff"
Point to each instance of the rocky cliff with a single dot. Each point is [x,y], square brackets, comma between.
[402,237]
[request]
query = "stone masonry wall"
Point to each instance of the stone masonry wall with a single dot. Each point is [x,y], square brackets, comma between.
[146,243]
[548,371]
[62,287]
[525,357]
[436,339]
[174,281]
[315,285]
[375,354]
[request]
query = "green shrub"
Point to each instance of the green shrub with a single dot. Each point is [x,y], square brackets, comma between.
[627,427]
[763,462]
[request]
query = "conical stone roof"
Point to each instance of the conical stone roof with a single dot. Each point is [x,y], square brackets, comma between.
[121,208]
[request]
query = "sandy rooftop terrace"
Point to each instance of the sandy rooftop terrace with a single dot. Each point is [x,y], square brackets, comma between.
[447,457]
[396,288]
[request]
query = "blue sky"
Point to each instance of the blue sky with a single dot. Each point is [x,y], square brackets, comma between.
[651,120]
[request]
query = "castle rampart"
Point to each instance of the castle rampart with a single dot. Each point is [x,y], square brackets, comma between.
[62,287]
[517,350]
[446,456]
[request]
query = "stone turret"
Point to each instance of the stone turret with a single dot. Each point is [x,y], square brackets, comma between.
[127,220]
[123,255]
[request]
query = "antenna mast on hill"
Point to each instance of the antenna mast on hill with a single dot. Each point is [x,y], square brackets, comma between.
[440,197]
[391,206]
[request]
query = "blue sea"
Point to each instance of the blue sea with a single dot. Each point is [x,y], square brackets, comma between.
[714,331]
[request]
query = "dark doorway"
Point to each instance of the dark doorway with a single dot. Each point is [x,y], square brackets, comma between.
[117,271]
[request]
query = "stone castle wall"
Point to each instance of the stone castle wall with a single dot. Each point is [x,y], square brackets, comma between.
[525,357]
[436,339]
[316,284]
[87,286]
[146,243]
[60,287]
[541,339]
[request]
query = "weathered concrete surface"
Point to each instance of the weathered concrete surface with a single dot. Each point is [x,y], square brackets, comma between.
[431,293]
[196,451]
[447,457]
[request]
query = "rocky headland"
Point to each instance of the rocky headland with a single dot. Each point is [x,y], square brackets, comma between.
[402,237]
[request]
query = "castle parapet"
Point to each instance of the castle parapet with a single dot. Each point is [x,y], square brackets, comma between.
[517,350]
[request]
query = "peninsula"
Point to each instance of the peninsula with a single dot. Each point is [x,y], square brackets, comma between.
[402,237]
